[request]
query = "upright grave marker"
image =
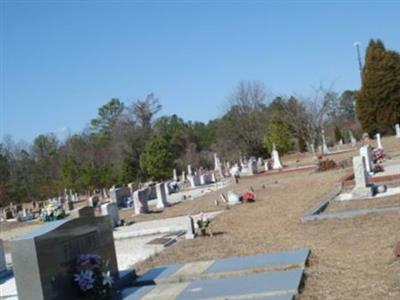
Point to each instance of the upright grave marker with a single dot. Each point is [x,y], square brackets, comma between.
[161,195]
[397,127]
[361,190]
[352,139]
[275,158]
[111,209]
[366,152]
[325,148]
[140,201]
[378,141]
[43,259]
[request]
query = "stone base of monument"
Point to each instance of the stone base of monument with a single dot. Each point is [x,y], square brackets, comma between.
[321,212]
[262,276]
[362,192]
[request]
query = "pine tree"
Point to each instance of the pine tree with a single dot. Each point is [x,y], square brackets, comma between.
[278,133]
[156,160]
[378,103]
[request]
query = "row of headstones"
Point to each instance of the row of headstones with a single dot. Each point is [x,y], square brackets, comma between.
[250,166]
[139,196]
[195,178]
[324,148]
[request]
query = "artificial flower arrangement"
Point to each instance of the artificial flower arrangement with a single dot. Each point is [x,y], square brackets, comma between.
[52,212]
[202,222]
[378,155]
[92,276]
[249,197]
[378,168]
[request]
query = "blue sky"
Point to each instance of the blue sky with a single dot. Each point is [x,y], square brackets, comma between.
[62,60]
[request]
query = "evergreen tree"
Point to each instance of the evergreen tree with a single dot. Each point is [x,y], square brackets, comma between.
[378,103]
[156,160]
[278,132]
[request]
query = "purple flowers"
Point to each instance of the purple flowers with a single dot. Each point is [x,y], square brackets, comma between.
[378,155]
[84,279]
[93,278]
[86,259]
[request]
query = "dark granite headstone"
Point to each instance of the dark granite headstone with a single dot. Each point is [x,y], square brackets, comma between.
[86,212]
[119,194]
[43,259]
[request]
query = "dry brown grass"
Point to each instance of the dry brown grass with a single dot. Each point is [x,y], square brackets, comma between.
[368,203]
[351,258]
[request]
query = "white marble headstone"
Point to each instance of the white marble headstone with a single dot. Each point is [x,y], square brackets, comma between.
[361,190]
[352,139]
[190,172]
[366,152]
[140,201]
[111,209]
[378,141]
[162,201]
[325,148]
[276,160]
[397,127]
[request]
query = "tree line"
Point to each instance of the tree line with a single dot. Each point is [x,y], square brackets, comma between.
[132,143]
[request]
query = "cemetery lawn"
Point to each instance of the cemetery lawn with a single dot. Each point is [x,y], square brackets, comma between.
[350,258]
[370,203]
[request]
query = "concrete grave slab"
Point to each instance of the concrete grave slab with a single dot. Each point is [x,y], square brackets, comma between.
[255,285]
[230,266]
[270,260]
[158,273]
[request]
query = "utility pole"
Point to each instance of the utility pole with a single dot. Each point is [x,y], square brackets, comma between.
[357,45]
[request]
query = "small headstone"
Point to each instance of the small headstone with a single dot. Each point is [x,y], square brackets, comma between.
[260,162]
[190,228]
[361,190]
[183,176]
[276,160]
[213,178]
[352,139]
[174,175]
[111,209]
[233,198]
[119,194]
[194,180]
[312,150]
[365,138]
[140,202]
[162,201]
[93,201]
[252,167]
[86,212]
[190,172]
[397,127]
[325,148]
[205,179]
[378,141]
